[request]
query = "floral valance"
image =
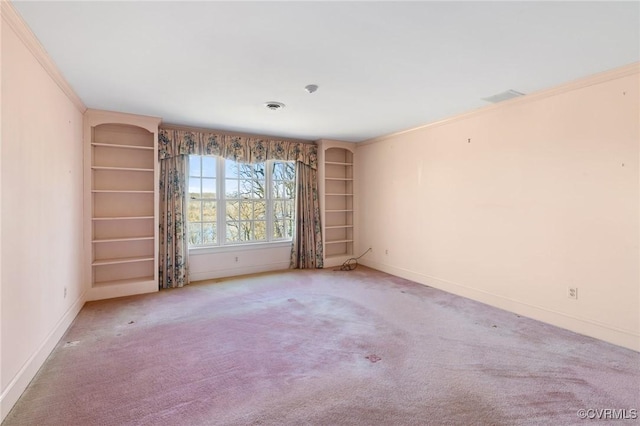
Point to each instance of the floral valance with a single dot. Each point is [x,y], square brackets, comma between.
[238,148]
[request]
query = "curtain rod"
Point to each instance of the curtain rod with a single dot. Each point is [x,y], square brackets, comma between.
[169,126]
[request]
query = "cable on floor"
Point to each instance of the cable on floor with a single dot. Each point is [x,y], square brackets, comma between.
[351,264]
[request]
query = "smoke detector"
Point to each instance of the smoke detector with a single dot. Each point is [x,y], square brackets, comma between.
[504,96]
[274,106]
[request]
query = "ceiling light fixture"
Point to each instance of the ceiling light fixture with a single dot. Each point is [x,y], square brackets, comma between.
[310,88]
[274,106]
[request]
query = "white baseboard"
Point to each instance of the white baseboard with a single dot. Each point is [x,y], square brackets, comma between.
[579,325]
[232,272]
[17,386]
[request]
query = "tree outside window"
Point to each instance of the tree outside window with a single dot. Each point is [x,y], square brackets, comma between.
[245,202]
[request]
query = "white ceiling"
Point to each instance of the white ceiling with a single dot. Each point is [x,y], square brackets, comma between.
[381,67]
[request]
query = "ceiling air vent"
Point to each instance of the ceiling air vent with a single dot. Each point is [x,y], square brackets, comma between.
[274,106]
[504,96]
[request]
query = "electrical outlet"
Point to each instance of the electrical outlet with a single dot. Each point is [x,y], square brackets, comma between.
[65,292]
[572,293]
[236,259]
[386,251]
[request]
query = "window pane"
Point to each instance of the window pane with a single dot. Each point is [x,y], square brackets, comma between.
[244,170]
[260,230]
[195,233]
[259,181]
[289,209]
[259,190]
[208,188]
[246,210]
[289,171]
[194,165]
[231,188]
[193,211]
[245,231]
[230,169]
[232,232]
[260,210]
[289,228]
[278,209]
[278,170]
[233,210]
[194,187]
[246,188]
[209,210]
[208,166]
[208,233]
[275,189]
[278,229]
[290,189]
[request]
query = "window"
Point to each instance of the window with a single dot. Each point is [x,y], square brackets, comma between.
[235,203]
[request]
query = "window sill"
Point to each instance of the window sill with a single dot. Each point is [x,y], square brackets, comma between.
[197,251]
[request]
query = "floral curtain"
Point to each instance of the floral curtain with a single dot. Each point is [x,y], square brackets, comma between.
[238,148]
[306,251]
[173,148]
[173,259]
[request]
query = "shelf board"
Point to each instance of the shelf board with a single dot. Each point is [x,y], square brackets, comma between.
[123,218]
[121,169]
[113,145]
[119,261]
[338,163]
[338,256]
[123,282]
[338,241]
[338,226]
[340,195]
[121,191]
[114,240]
[338,211]
[341,179]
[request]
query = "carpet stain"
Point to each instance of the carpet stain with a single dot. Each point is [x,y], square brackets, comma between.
[373,358]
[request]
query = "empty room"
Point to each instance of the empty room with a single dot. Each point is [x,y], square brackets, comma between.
[319,212]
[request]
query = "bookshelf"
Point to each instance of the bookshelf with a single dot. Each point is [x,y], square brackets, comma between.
[121,204]
[337,200]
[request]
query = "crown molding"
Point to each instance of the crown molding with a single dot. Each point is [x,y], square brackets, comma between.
[624,71]
[12,18]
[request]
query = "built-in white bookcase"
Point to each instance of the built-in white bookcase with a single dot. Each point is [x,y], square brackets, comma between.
[336,163]
[121,204]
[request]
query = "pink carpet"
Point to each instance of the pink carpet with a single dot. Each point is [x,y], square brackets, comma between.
[322,348]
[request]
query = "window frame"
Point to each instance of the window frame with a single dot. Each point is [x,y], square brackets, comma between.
[221,200]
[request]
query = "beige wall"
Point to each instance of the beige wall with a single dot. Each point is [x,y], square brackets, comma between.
[513,204]
[41,217]
[206,264]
